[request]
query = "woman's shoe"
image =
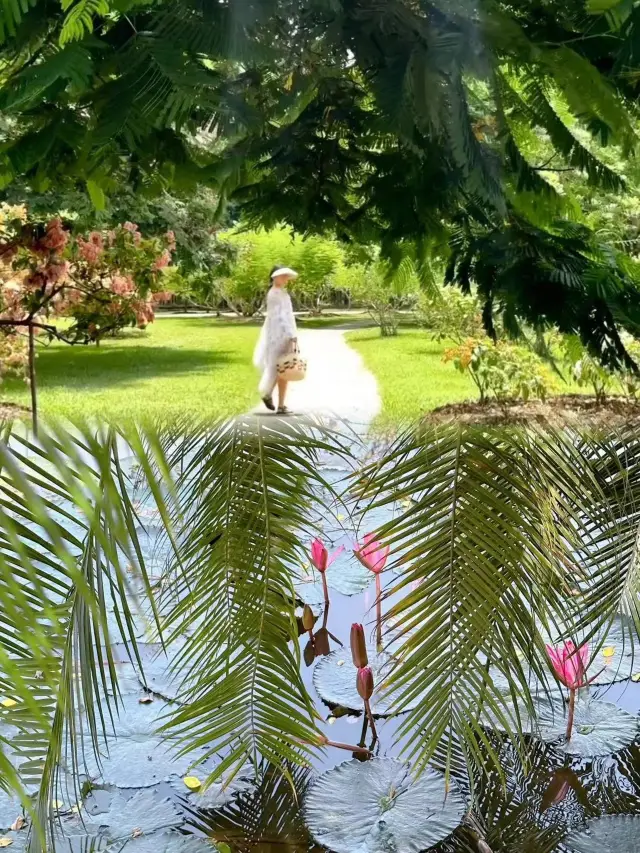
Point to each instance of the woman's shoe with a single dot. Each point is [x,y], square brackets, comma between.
[282,410]
[268,401]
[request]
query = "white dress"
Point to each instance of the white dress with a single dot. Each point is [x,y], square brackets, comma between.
[275,338]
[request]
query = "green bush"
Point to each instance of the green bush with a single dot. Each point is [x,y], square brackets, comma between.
[585,370]
[246,281]
[501,370]
[381,290]
[451,315]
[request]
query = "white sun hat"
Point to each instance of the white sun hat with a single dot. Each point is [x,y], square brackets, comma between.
[284,271]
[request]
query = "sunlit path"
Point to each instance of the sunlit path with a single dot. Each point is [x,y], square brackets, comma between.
[337,381]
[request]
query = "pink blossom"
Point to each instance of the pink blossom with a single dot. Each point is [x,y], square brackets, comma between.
[56,237]
[372,554]
[56,272]
[96,238]
[570,664]
[170,237]
[122,284]
[320,556]
[89,251]
[163,261]
[130,226]
[162,296]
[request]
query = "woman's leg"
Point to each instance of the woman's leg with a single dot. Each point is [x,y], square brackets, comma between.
[282,392]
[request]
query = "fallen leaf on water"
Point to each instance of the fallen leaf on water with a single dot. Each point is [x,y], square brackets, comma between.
[18,824]
[8,703]
[636,677]
[6,842]
[136,833]
[192,782]
[57,804]
[340,663]
[609,652]
[145,700]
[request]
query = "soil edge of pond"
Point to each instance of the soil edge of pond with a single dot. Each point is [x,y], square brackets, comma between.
[564,410]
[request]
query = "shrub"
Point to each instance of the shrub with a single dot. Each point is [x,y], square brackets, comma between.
[451,315]
[501,370]
[628,379]
[380,290]
[584,369]
[246,281]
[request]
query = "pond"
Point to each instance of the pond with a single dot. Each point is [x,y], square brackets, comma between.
[143,795]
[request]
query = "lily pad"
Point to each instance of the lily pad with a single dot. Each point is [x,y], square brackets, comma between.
[137,763]
[10,808]
[600,728]
[334,678]
[377,807]
[609,834]
[218,795]
[171,842]
[127,817]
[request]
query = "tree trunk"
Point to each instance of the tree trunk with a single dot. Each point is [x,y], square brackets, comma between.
[32,379]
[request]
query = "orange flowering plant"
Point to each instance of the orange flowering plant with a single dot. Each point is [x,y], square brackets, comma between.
[500,370]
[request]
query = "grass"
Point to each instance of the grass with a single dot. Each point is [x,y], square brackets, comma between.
[202,367]
[412,377]
[197,366]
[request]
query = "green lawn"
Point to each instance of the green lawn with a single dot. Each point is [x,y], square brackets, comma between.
[200,366]
[412,377]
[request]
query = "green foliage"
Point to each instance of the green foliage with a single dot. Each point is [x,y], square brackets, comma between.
[317,261]
[500,370]
[387,127]
[561,277]
[80,17]
[451,315]
[586,370]
[381,289]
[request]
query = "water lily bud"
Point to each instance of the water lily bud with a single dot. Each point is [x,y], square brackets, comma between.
[308,619]
[358,646]
[364,683]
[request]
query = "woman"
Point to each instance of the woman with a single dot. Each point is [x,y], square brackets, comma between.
[278,337]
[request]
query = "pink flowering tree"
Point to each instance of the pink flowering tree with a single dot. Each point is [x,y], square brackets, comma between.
[55,285]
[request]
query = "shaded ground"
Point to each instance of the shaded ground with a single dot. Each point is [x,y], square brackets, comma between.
[569,409]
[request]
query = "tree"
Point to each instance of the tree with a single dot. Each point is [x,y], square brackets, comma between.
[96,285]
[381,124]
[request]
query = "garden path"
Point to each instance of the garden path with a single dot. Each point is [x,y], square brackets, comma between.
[337,381]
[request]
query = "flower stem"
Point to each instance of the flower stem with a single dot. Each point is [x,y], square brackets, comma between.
[367,708]
[572,708]
[326,589]
[349,747]
[378,614]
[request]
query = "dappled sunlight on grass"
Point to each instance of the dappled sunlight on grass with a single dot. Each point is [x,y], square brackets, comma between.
[178,366]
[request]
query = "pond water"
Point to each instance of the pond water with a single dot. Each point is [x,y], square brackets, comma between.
[140,801]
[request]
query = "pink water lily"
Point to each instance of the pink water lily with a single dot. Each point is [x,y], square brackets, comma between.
[372,554]
[321,558]
[570,664]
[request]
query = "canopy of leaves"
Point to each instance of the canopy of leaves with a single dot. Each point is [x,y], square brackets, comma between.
[379,123]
